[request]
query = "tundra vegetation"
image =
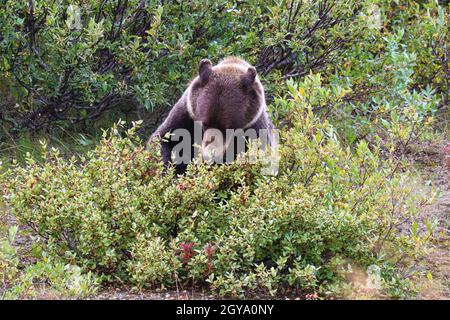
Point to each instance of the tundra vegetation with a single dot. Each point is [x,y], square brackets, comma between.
[355,88]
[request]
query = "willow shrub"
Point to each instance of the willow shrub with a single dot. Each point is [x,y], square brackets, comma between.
[70,61]
[115,213]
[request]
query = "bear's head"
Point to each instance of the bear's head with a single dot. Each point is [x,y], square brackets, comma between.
[226,96]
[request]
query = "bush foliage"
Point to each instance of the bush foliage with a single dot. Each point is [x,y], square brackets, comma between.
[71,61]
[350,84]
[47,278]
[113,211]
[110,53]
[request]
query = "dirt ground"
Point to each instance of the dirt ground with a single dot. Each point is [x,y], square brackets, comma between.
[435,169]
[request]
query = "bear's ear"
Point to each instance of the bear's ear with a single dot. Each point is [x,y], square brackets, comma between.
[249,77]
[204,70]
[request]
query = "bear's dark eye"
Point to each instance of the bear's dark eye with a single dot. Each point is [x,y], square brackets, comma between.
[211,140]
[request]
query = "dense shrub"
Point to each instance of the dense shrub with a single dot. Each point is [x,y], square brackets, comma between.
[47,278]
[113,212]
[390,81]
[351,84]
[71,61]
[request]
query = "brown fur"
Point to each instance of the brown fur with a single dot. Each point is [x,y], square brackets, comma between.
[226,96]
[227,100]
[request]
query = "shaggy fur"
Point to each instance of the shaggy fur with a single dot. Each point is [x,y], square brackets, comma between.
[226,96]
